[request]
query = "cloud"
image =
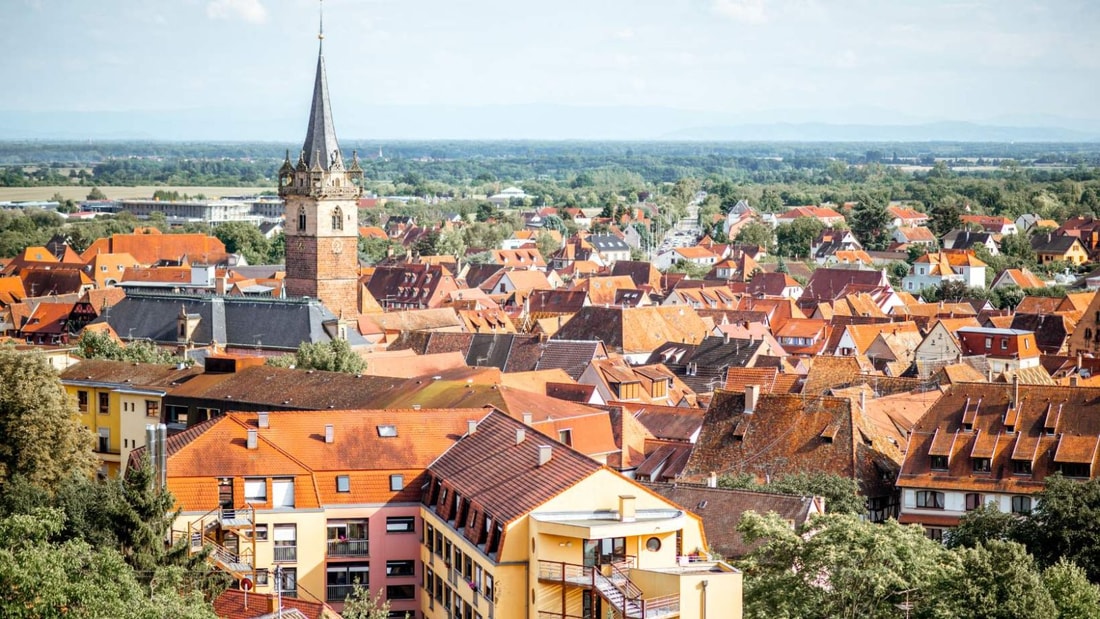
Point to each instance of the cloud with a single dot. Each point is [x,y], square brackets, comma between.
[748,11]
[251,11]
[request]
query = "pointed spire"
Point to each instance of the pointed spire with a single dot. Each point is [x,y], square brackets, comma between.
[321,147]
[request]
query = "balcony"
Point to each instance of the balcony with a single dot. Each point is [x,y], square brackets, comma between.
[349,548]
[339,593]
[286,553]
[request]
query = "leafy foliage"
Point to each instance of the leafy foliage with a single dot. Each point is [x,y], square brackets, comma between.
[360,604]
[332,356]
[43,441]
[97,345]
[793,240]
[841,494]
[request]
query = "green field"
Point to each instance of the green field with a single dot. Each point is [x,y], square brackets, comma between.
[79,193]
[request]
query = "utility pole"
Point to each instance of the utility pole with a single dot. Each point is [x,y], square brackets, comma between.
[279,591]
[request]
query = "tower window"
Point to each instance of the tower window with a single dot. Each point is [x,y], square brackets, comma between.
[337,219]
[301,218]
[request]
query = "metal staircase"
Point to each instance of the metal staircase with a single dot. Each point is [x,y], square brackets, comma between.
[616,588]
[210,531]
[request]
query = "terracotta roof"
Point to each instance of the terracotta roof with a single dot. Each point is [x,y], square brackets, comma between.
[153,247]
[906,213]
[793,434]
[11,290]
[634,330]
[770,379]
[490,469]
[231,605]
[1051,422]
[828,372]
[1022,278]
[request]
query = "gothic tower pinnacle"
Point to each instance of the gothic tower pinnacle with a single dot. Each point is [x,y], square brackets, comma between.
[321,196]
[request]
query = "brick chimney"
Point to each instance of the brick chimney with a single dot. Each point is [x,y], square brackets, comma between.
[752,396]
[627,508]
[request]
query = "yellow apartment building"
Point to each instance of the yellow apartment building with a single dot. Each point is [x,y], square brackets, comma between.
[116,400]
[518,525]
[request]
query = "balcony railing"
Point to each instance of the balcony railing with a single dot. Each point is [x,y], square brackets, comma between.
[286,553]
[339,593]
[349,548]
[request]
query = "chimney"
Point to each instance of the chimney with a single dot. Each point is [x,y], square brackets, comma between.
[330,433]
[1016,387]
[272,604]
[545,453]
[626,508]
[1072,382]
[520,435]
[262,419]
[712,480]
[252,439]
[863,399]
[471,427]
[1080,358]
[527,417]
[752,395]
[726,338]
[989,378]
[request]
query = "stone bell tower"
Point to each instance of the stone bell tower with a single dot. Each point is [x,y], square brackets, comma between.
[321,196]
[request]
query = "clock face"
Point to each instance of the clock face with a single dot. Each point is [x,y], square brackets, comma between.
[337,246]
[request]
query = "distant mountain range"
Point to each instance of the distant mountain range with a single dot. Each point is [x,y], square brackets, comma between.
[534,122]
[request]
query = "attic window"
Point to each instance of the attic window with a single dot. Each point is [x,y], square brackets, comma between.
[343,483]
[939,463]
[387,431]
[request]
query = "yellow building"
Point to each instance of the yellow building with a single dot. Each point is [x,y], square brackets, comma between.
[116,400]
[518,525]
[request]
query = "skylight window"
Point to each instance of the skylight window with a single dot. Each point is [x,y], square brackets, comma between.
[387,431]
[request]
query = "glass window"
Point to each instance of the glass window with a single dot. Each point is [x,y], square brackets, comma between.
[929,499]
[1021,505]
[343,483]
[1021,467]
[401,524]
[402,567]
[981,465]
[397,482]
[973,501]
[152,408]
[261,532]
[82,401]
[939,463]
[282,493]
[288,584]
[104,403]
[255,490]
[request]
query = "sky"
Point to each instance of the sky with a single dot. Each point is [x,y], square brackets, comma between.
[243,69]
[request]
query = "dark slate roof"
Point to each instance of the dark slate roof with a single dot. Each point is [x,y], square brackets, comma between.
[711,357]
[573,392]
[1049,243]
[556,301]
[966,239]
[228,320]
[607,242]
[320,144]
[573,356]
[638,271]
[829,284]
[721,511]
[1051,330]
[476,274]
[772,284]
[489,469]
[54,281]
[510,352]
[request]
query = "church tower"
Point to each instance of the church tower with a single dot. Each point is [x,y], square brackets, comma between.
[321,196]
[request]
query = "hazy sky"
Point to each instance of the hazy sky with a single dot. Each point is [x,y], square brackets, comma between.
[757,60]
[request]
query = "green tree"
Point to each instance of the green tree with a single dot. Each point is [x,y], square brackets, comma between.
[546,244]
[451,243]
[1073,594]
[360,604]
[42,578]
[945,216]
[870,221]
[373,250]
[331,356]
[96,345]
[241,237]
[841,494]
[96,194]
[999,578]
[987,523]
[756,233]
[836,565]
[1065,523]
[43,440]
[793,240]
